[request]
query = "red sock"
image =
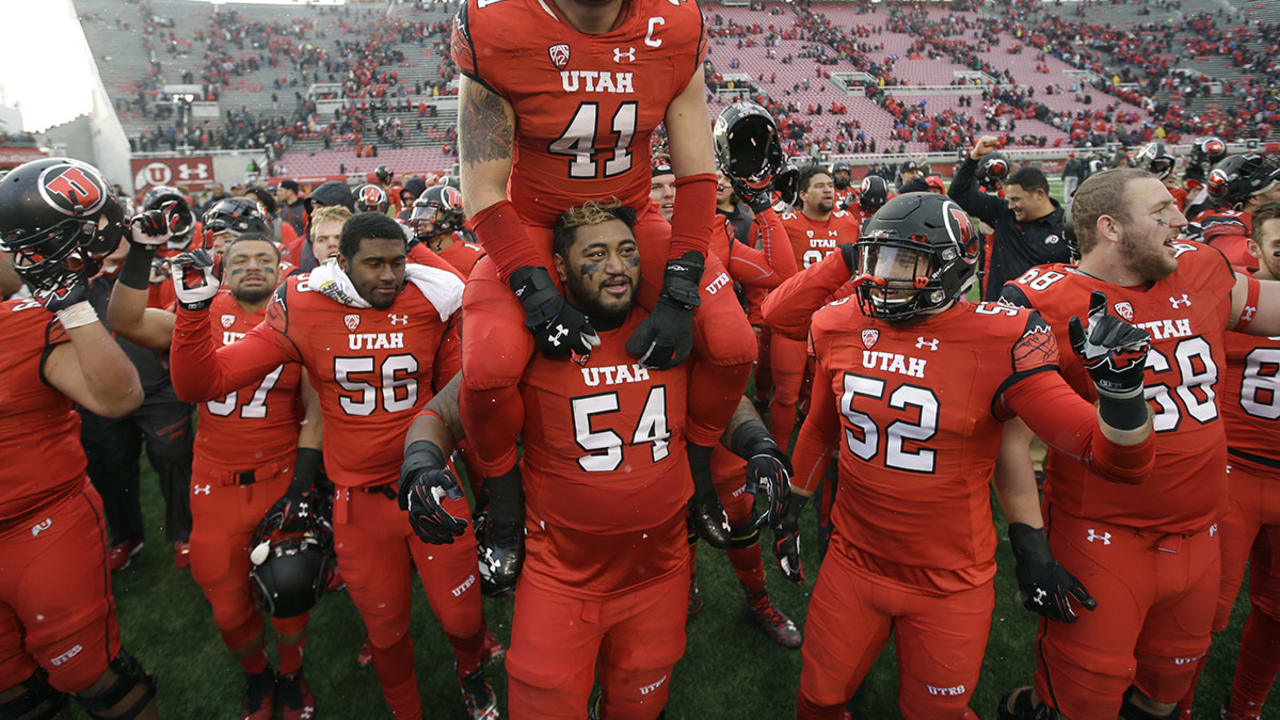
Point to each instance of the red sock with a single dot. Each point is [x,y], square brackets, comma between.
[748,566]
[243,636]
[782,420]
[470,652]
[290,655]
[1190,698]
[399,681]
[1258,664]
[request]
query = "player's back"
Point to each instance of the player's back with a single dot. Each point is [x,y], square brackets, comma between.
[813,240]
[919,432]
[39,431]
[605,470]
[1251,401]
[585,105]
[373,369]
[462,255]
[1186,314]
[256,424]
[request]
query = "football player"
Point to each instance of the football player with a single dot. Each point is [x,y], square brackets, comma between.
[253,448]
[1149,553]
[378,338]
[438,222]
[814,232]
[579,86]
[911,387]
[58,631]
[842,179]
[371,198]
[1238,186]
[1156,159]
[606,481]
[326,231]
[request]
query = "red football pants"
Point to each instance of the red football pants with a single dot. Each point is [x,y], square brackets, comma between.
[377,551]
[787,360]
[56,608]
[1254,503]
[940,641]
[496,347]
[224,517]
[559,641]
[1156,594]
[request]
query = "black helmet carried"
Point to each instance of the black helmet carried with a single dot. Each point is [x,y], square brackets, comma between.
[747,147]
[236,215]
[161,194]
[384,174]
[289,570]
[993,169]
[371,198]
[441,206]
[1156,159]
[1208,149]
[920,251]
[1240,177]
[52,214]
[873,193]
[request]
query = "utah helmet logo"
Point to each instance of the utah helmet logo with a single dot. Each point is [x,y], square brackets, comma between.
[869,338]
[352,321]
[228,320]
[1125,310]
[559,55]
[72,189]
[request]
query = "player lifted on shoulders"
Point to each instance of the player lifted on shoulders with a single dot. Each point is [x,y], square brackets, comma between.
[911,387]
[378,338]
[58,631]
[606,482]
[558,102]
[1149,553]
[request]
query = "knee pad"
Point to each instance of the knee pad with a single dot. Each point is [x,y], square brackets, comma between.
[743,536]
[1022,708]
[129,675]
[38,701]
[1129,711]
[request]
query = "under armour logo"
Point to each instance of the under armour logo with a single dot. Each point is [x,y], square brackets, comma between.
[307,711]
[1213,529]
[561,331]
[931,344]
[1040,596]
[618,55]
[1104,537]
[398,319]
[1177,303]
[41,526]
[201,489]
[1247,315]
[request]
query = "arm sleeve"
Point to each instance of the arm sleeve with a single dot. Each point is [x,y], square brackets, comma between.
[765,268]
[1066,421]
[816,443]
[200,371]
[789,308]
[964,190]
[695,208]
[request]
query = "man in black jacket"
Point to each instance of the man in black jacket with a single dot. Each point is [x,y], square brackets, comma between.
[1027,222]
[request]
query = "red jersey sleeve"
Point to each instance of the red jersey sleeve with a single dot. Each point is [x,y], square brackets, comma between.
[818,436]
[201,371]
[769,266]
[789,308]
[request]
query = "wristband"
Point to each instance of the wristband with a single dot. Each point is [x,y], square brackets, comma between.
[306,467]
[749,437]
[135,273]
[419,455]
[1127,413]
[82,313]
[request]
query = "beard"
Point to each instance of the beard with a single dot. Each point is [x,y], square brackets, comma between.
[1150,264]
[253,295]
[604,316]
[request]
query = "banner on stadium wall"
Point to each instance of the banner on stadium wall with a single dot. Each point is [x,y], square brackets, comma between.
[191,172]
[12,157]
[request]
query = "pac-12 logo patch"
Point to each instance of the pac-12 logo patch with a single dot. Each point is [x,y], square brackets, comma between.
[559,55]
[869,338]
[1124,310]
[352,321]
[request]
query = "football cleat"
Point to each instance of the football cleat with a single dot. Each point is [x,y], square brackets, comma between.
[695,600]
[296,700]
[709,521]
[478,696]
[501,557]
[259,695]
[364,655]
[121,554]
[777,625]
[494,650]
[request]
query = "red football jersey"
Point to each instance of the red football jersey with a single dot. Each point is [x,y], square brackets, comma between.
[1229,231]
[813,240]
[606,477]
[39,430]
[1187,313]
[256,424]
[1251,402]
[917,410]
[462,255]
[373,369]
[586,105]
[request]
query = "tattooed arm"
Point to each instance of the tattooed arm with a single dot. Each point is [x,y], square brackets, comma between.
[486,136]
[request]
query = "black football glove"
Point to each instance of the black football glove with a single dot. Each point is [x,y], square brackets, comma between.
[296,509]
[758,199]
[786,540]
[425,480]
[154,228]
[771,468]
[787,185]
[1045,586]
[62,289]
[665,338]
[558,328]
[1113,351]
[195,279]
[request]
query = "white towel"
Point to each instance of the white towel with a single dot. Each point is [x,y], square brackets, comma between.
[441,287]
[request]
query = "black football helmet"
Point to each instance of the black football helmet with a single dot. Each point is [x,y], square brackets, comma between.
[289,570]
[59,219]
[920,251]
[1240,177]
[993,169]
[441,206]
[237,215]
[371,198]
[873,193]
[1156,159]
[162,194]
[1208,149]
[841,182]
[384,174]
[747,147]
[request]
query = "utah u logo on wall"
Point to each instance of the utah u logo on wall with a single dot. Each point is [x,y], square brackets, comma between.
[559,55]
